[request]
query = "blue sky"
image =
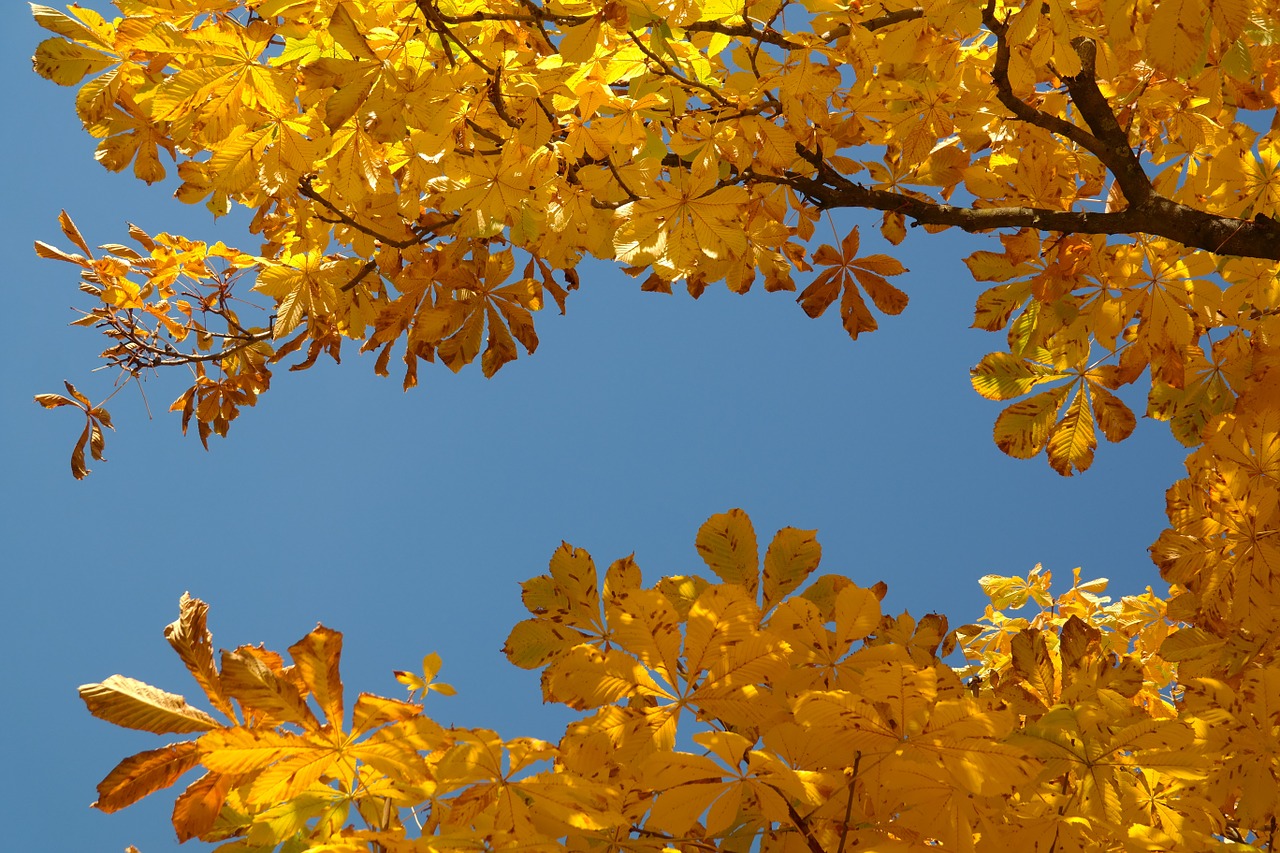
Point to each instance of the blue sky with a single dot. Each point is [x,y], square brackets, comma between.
[408,520]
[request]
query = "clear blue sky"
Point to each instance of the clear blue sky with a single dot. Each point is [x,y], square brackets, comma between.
[408,520]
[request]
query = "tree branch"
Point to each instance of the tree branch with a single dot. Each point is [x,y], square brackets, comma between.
[365,268]
[803,826]
[848,806]
[676,75]
[1116,154]
[171,357]
[306,189]
[1158,217]
[1019,107]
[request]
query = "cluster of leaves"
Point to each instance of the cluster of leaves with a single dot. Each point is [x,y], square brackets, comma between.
[768,708]
[405,158]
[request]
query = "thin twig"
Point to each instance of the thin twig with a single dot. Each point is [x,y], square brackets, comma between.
[613,170]
[368,267]
[848,806]
[308,191]
[169,358]
[670,72]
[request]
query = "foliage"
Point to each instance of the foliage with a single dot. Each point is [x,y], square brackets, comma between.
[768,706]
[425,173]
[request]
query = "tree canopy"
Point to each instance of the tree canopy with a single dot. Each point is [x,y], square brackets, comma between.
[425,174]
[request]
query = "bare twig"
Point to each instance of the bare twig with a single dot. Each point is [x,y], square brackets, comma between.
[848,806]
[170,356]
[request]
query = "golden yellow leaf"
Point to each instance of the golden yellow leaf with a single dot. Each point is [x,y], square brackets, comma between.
[257,681]
[1072,439]
[1173,42]
[317,656]
[791,557]
[727,543]
[1003,376]
[135,705]
[1022,429]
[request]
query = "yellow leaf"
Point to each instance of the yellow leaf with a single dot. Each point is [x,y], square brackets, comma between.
[243,751]
[1039,669]
[1003,376]
[196,810]
[190,638]
[856,614]
[1072,440]
[1114,418]
[534,642]
[727,543]
[579,42]
[67,63]
[317,656]
[1022,429]
[256,680]
[135,705]
[95,33]
[791,557]
[1176,35]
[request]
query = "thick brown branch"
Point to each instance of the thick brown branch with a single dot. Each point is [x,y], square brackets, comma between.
[1019,107]
[495,97]
[1117,155]
[1158,217]
[878,23]
[745,30]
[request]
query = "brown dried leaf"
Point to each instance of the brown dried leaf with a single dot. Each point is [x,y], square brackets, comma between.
[190,638]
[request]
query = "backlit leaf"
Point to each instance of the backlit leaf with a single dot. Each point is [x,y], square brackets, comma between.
[135,705]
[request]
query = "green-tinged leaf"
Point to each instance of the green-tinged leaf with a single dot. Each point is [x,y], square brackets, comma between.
[1002,376]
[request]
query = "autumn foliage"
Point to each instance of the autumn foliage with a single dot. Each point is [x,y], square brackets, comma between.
[426,175]
[768,705]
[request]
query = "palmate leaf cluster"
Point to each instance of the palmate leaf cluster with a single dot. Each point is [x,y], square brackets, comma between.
[426,175]
[765,706]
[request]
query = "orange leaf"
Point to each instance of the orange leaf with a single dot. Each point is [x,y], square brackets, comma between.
[316,656]
[144,773]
